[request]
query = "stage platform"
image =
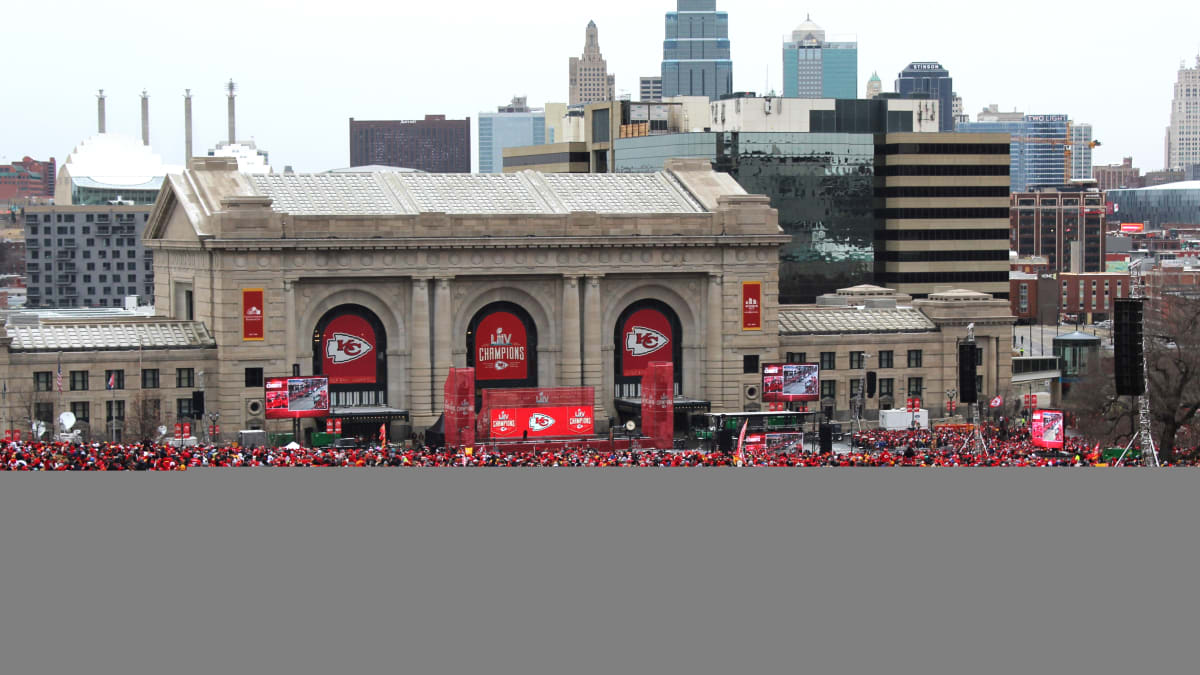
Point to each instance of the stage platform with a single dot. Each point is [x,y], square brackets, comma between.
[555,445]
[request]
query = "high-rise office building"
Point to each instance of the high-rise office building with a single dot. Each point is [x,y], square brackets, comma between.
[696,58]
[946,213]
[932,80]
[1183,134]
[512,125]
[874,86]
[590,80]
[435,144]
[814,67]
[1042,150]
[1081,151]
[1117,176]
[651,88]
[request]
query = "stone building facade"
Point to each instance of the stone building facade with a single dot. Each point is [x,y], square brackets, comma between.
[426,259]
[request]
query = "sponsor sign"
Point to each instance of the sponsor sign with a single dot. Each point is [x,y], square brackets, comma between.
[1048,429]
[658,113]
[178,432]
[501,348]
[547,422]
[913,405]
[1133,228]
[751,305]
[788,382]
[253,315]
[187,430]
[639,113]
[646,337]
[296,397]
[348,351]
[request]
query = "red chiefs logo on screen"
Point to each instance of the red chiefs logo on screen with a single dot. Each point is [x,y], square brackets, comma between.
[647,336]
[343,348]
[348,341]
[540,422]
[642,341]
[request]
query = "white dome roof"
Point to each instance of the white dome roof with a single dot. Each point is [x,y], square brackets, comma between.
[116,160]
[806,29]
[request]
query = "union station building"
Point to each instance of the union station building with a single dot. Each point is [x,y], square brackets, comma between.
[382,282]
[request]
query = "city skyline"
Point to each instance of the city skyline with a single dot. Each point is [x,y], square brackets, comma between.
[294,98]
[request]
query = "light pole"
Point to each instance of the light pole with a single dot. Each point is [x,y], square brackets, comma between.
[861,399]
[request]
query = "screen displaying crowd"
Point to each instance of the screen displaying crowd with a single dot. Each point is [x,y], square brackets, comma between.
[943,448]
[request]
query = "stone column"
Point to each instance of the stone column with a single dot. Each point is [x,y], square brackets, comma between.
[713,341]
[443,357]
[572,363]
[289,307]
[593,338]
[421,367]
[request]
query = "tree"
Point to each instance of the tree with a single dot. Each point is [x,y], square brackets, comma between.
[143,417]
[1172,329]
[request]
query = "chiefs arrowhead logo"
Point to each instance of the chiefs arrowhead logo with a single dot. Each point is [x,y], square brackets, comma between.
[540,422]
[642,341]
[344,348]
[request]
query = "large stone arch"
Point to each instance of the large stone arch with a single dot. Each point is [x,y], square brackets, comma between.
[670,293]
[549,331]
[391,316]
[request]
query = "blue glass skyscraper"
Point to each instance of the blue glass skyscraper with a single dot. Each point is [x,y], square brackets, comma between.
[512,126]
[934,81]
[816,68]
[1038,150]
[696,51]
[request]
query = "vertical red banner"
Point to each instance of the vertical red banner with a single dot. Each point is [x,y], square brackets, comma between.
[337,426]
[658,404]
[253,315]
[178,432]
[187,430]
[751,305]
[459,413]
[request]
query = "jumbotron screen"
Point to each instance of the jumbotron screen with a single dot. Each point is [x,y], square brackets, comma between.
[1047,429]
[787,382]
[296,397]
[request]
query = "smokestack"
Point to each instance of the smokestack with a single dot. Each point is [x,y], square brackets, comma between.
[145,118]
[100,110]
[187,127]
[232,115]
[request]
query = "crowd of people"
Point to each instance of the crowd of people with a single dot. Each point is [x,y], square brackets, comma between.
[943,448]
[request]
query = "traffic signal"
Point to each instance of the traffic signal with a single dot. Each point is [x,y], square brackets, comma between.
[1129,367]
[968,355]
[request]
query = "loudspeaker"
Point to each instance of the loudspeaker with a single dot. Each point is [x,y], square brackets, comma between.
[751,392]
[1129,368]
[968,355]
[825,435]
[872,379]
[198,404]
[254,407]
[725,440]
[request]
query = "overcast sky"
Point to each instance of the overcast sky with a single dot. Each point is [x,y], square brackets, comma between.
[304,67]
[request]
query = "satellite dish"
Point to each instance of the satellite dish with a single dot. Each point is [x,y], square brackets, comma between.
[630,425]
[66,421]
[39,429]
[162,431]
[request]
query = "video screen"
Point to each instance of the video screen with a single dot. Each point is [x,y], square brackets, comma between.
[788,382]
[296,397]
[1048,429]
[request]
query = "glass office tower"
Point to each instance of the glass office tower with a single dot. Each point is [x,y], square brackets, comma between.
[814,67]
[934,81]
[696,51]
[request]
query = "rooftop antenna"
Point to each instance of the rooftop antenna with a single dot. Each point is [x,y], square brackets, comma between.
[100,110]
[232,89]
[187,126]
[145,118]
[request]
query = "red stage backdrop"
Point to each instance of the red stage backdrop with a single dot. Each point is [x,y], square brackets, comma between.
[348,355]
[646,337]
[501,348]
[544,422]
[658,404]
[253,315]
[506,413]
[459,415]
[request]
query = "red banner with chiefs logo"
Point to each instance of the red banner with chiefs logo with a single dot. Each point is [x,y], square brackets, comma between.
[253,314]
[501,348]
[646,337]
[459,414]
[348,351]
[751,305]
[547,422]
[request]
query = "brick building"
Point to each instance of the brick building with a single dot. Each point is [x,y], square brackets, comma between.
[1115,176]
[434,145]
[1064,227]
[27,178]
